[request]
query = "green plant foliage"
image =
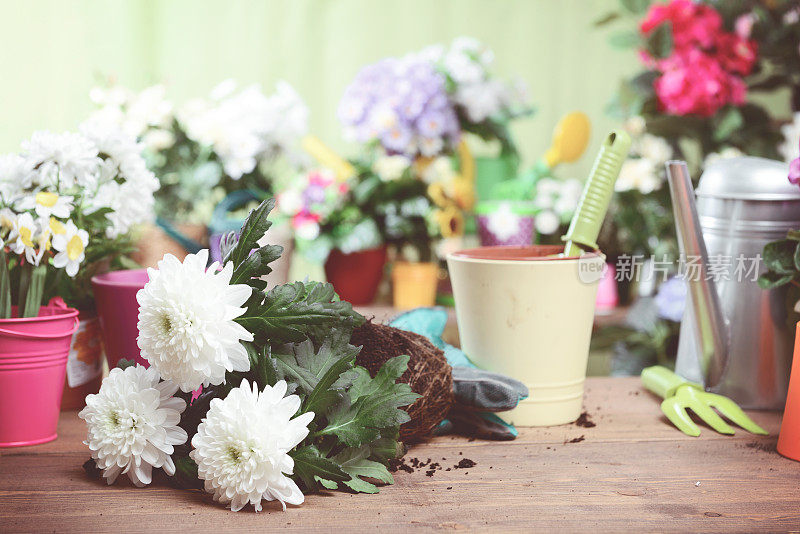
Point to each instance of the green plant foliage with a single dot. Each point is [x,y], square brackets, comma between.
[302,332]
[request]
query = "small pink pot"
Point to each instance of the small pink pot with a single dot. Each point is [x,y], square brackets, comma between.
[33,364]
[115,296]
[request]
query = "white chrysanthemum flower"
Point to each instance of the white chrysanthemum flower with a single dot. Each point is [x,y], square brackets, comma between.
[64,159]
[638,174]
[186,321]
[241,447]
[126,185]
[70,242]
[133,424]
[15,175]
[547,222]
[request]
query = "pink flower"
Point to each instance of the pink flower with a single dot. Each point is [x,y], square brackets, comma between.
[305,217]
[794,171]
[693,24]
[694,83]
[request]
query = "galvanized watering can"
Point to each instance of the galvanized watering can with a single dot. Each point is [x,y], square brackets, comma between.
[734,336]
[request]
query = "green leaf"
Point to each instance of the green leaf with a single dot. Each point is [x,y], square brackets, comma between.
[354,462]
[186,473]
[327,484]
[253,229]
[290,313]
[779,256]
[256,264]
[771,280]
[315,371]
[659,41]
[371,404]
[730,122]
[624,39]
[311,466]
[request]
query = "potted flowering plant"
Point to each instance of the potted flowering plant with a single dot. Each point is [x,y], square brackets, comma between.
[484,104]
[208,148]
[400,109]
[283,409]
[69,202]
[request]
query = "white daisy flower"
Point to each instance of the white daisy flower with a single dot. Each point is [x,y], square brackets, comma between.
[547,222]
[186,321]
[638,174]
[133,424]
[47,204]
[70,242]
[25,238]
[241,447]
[504,223]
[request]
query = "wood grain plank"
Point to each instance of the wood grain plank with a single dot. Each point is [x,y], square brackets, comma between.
[633,471]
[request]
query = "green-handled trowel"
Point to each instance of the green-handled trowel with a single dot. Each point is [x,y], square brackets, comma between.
[597,192]
[680,394]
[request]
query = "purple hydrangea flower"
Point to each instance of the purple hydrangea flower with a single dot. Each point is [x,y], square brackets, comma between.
[401,103]
[671,299]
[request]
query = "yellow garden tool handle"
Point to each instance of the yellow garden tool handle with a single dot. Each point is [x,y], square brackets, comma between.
[466,162]
[570,139]
[326,157]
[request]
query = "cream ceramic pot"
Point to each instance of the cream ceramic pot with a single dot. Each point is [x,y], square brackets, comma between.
[528,315]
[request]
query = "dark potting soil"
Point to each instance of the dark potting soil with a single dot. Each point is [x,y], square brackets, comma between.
[771,446]
[575,440]
[585,421]
[428,373]
[465,463]
[410,465]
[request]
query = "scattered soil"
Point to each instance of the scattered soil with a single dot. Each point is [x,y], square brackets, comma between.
[410,465]
[465,463]
[771,446]
[575,440]
[428,373]
[585,421]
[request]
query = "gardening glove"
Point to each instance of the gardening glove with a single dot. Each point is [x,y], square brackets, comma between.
[477,393]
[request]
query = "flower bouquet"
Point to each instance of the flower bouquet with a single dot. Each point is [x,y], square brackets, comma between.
[208,148]
[68,203]
[485,105]
[283,409]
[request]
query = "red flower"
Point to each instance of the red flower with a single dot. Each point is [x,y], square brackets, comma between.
[736,54]
[693,24]
[694,83]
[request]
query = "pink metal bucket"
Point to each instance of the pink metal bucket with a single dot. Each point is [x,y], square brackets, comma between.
[33,364]
[115,296]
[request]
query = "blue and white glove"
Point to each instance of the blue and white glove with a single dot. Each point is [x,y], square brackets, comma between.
[477,393]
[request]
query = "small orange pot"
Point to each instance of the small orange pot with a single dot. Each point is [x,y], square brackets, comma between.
[789,439]
[414,284]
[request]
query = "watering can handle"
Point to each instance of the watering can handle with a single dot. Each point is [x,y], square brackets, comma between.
[24,335]
[709,320]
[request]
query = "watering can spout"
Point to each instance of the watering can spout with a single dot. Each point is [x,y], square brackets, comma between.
[710,324]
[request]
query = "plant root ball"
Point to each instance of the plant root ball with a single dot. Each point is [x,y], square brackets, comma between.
[428,374]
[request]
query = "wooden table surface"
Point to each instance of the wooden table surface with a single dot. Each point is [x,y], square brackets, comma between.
[631,471]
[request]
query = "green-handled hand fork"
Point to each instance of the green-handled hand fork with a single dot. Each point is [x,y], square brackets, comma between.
[680,394]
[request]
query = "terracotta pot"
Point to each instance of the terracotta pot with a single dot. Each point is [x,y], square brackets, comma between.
[789,439]
[356,276]
[85,362]
[414,284]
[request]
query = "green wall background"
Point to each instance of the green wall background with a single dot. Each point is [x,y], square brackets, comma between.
[53,51]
